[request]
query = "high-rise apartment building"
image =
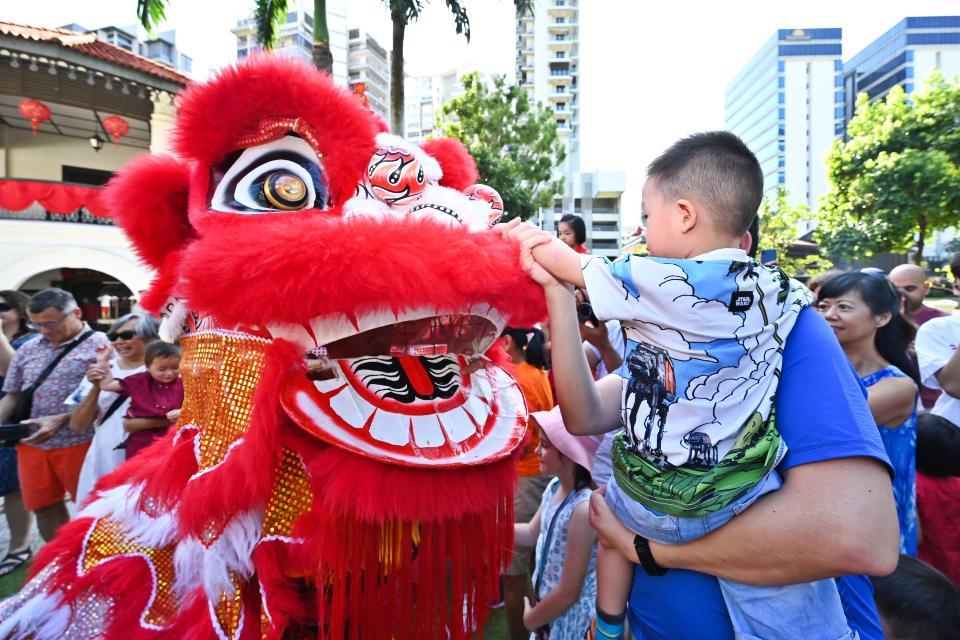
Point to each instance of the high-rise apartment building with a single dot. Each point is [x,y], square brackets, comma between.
[548,56]
[425,95]
[903,56]
[369,63]
[787,106]
[295,37]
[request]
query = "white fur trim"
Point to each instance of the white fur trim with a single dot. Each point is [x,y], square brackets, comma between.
[122,504]
[174,317]
[359,206]
[41,617]
[475,214]
[231,551]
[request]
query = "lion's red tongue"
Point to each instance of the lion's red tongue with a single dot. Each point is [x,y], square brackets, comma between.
[417,375]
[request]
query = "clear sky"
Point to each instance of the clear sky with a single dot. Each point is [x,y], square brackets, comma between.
[650,71]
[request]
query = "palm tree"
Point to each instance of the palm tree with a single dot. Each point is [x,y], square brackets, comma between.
[402,12]
[268,16]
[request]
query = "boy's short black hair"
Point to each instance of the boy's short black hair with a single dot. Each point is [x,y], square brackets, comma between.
[718,169]
[160,349]
[917,602]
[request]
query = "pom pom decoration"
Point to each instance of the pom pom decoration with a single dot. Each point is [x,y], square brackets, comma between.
[489,195]
[396,175]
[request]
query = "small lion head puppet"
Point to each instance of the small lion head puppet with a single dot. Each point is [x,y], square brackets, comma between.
[343,465]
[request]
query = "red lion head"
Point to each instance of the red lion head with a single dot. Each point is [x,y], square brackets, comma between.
[343,465]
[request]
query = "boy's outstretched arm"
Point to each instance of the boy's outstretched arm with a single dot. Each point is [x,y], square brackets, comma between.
[587,407]
[559,260]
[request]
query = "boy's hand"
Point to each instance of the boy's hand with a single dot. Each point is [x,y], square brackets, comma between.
[173,415]
[527,235]
[104,354]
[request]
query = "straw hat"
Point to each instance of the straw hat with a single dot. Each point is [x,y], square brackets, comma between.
[580,449]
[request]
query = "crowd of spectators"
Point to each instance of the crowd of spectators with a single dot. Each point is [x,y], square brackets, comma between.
[78,390]
[63,430]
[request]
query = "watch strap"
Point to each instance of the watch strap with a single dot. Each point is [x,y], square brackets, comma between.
[642,546]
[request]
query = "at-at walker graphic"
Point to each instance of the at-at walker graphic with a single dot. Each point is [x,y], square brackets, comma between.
[703,453]
[651,381]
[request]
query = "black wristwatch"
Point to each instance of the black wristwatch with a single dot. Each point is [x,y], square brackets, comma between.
[642,545]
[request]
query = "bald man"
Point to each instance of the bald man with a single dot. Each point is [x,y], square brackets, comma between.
[912,282]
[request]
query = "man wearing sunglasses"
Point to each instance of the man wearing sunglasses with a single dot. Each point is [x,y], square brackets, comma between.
[49,460]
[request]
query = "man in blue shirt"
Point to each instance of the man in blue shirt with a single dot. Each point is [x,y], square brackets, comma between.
[833,516]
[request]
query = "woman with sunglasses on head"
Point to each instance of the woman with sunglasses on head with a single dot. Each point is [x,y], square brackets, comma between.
[129,337]
[863,309]
[14,333]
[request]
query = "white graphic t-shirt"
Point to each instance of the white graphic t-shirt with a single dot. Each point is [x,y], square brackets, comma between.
[704,339]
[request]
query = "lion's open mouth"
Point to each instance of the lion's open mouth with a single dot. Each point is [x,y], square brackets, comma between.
[416,391]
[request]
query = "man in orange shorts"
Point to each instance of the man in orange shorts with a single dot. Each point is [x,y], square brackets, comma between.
[49,460]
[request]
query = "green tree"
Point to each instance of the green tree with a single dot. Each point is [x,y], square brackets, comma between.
[514,143]
[268,16]
[779,225]
[402,13]
[896,179]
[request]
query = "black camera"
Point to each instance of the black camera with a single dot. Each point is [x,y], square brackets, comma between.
[585,314]
[11,434]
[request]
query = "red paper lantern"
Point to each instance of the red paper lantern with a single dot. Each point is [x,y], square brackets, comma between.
[34,111]
[117,127]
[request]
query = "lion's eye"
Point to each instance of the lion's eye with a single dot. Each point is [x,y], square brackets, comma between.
[285,190]
[282,175]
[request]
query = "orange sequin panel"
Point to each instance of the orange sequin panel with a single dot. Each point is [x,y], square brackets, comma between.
[107,540]
[229,609]
[290,497]
[220,372]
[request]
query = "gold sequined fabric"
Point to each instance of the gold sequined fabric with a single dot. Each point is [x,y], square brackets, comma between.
[229,609]
[107,540]
[220,373]
[290,497]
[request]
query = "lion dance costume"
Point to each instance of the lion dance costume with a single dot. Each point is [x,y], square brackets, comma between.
[343,466]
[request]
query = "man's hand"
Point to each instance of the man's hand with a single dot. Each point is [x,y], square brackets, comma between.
[613,534]
[597,336]
[49,426]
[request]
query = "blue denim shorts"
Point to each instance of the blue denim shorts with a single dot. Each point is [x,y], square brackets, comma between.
[811,610]
[669,529]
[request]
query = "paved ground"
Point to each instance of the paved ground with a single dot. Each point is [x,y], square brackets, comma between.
[11,583]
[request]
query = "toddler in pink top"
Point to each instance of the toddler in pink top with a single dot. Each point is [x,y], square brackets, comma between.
[155,396]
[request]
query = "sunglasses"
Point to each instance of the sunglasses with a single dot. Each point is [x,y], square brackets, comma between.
[879,274]
[6,306]
[121,335]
